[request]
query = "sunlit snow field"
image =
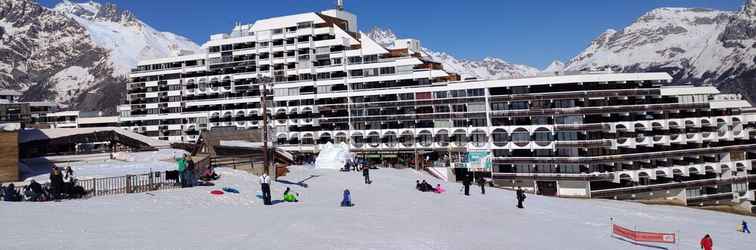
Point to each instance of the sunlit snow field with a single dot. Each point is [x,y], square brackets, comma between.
[389,214]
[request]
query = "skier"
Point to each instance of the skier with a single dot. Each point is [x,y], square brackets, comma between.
[520,197]
[482,183]
[265,186]
[707,243]
[466,182]
[744,227]
[366,173]
[347,200]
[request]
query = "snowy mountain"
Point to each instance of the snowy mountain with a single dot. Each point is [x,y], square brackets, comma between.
[699,46]
[76,53]
[128,39]
[488,68]
[555,66]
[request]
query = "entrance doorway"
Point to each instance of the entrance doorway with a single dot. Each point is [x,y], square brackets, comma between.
[548,188]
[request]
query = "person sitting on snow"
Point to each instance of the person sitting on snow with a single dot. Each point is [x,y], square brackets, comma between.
[209,174]
[34,190]
[347,200]
[10,193]
[425,187]
[439,189]
[418,186]
[289,197]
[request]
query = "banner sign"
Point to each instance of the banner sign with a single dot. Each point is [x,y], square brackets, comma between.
[643,236]
[479,160]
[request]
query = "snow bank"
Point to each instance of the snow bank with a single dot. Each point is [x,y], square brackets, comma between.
[333,156]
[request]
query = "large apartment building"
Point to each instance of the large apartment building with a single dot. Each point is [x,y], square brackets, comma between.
[570,134]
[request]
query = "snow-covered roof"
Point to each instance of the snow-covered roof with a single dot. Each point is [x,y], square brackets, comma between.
[9,92]
[100,119]
[11,126]
[30,135]
[63,113]
[688,90]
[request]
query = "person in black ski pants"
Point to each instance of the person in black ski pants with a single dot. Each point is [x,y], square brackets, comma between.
[366,173]
[265,187]
[466,182]
[520,197]
[482,183]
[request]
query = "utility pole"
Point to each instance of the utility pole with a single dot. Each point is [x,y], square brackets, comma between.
[264,100]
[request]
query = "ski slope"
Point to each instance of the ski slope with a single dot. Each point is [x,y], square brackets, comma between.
[389,214]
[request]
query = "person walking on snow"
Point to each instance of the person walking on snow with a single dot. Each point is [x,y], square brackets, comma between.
[744,227]
[366,173]
[467,182]
[520,197]
[707,243]
[265,186]
[482,183]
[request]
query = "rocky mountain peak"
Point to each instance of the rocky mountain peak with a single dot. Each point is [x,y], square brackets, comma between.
[382,36]
[749,8]
[94,11]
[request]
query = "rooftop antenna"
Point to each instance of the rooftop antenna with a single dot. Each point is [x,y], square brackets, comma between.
[340,4]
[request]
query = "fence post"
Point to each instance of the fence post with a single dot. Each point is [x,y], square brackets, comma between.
[152,181]
[128,183]
[94,187]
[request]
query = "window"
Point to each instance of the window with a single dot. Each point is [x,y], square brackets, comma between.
[475,92]
[371,72]
[214,49]
[406,96]
[458,93]
[303,25]
[459,108]
[519,105]
[356,73]
[440,94]
[371,58]
[499,106]
[277,31]
[355,60]
[336,61]
[388,70]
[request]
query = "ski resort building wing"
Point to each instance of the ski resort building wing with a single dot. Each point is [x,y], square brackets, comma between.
[581,134]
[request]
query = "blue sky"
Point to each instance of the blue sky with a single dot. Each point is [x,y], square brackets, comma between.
[519,31]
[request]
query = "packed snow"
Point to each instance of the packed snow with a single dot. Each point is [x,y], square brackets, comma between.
[389,214]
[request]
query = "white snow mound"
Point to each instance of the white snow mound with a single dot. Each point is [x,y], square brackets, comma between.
[333,156]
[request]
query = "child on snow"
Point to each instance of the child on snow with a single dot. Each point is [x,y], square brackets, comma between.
[347,200]
[289,197]
[439,189]
[744,228]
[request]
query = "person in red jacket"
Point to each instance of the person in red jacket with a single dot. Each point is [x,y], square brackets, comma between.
[706,243]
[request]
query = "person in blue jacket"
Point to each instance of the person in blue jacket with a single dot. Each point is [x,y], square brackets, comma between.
[745,227]
[347,200]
